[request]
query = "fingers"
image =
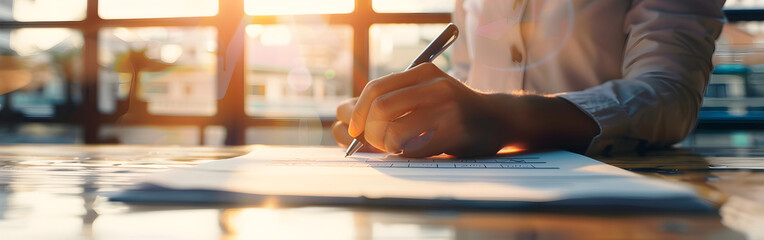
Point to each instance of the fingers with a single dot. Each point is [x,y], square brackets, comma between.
[340,133]
[428,144]
[433,131]
[387,108]
[345,109]
[440,140]
[422,73]
[413,130]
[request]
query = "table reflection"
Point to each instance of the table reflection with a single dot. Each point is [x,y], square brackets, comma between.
[58,193]
[354,223]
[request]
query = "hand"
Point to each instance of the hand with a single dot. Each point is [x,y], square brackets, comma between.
[340,128]
[423,112]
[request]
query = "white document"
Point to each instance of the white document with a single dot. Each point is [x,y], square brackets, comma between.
[325,172]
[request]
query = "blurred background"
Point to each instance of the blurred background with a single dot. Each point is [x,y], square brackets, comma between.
[231,72]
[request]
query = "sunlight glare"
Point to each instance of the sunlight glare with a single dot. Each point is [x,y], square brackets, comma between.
[407,6]
[49,10]
[287,7]
[299,79]
[125,34]
[170,53]
[267,223]
[119,9]
[254,31]
[278,35]
[28,41]
[510,149]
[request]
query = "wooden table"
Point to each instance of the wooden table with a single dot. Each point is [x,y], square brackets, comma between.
[54,192]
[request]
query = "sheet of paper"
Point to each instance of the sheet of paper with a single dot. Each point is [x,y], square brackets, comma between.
[325,172]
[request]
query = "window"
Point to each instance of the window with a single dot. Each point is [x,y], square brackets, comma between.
[42,10]
[176,68]
[744,4]
[394,46]
[284,7]
[297,71]
[420,6]
[50,60]
[735,93]
[121,9]
[206,68]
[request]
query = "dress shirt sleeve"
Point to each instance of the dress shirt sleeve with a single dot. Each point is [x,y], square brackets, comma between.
[460,59]
[666,67]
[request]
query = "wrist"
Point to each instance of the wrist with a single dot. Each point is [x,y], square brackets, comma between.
[532,121]
[507,115]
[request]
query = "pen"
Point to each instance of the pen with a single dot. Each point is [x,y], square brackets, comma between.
[436,47]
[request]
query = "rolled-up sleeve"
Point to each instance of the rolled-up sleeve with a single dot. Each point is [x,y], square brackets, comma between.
[666,67]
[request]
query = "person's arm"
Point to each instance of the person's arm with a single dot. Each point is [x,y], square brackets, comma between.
[423,112]
[526,121]
[666,68]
